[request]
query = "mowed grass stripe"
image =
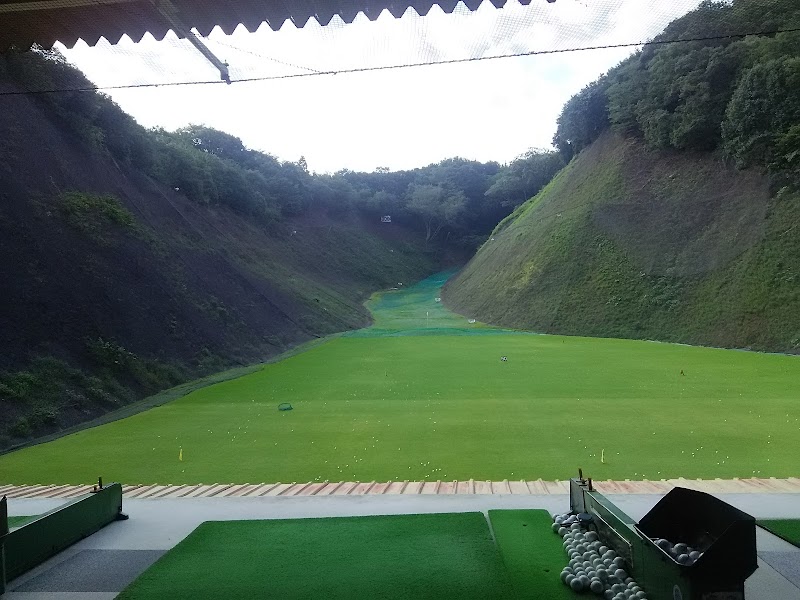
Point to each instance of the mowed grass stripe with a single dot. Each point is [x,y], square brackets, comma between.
[437,556]
[416,408]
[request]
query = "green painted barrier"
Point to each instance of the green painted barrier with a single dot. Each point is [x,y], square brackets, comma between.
[726,535]
[50,533]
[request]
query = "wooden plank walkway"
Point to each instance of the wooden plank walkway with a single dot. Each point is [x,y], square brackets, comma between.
[393,488]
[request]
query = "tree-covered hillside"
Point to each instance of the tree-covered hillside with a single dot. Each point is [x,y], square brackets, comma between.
[726,90]
[457,199]
[676,218]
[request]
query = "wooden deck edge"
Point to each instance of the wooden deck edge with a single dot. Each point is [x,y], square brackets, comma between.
[410,488]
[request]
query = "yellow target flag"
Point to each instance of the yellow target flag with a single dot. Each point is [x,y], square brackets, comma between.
[180,454]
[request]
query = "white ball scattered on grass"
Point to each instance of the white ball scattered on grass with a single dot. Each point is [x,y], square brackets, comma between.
[596,586]
[576,585]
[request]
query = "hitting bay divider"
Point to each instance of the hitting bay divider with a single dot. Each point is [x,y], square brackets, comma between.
[48,534]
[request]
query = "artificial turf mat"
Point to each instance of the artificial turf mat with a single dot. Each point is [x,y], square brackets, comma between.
[411,405]
[437,556]
[533,555]
[787,529]
[19,521]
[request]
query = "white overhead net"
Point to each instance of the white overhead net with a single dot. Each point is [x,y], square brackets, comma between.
[387,42]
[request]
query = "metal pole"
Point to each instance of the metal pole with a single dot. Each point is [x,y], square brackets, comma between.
[168,10]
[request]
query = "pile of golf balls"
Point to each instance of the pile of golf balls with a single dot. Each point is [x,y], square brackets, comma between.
[592,566]
[682,553]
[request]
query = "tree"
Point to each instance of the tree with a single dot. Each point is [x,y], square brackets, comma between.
[435,206]
[524,177]
[213,141]
[762,113]
[583,118]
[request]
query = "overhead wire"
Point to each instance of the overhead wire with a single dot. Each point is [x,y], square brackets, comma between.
[404,65]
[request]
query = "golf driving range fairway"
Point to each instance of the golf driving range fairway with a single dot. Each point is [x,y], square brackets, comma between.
[424,395]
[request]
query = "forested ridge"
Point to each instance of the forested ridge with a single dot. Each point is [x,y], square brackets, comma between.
[458,198]
[133,259]
[676,217]
[733,93]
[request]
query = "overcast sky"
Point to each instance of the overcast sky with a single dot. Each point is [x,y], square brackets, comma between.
[403,118]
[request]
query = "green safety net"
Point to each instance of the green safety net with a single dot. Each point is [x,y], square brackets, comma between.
[418,310]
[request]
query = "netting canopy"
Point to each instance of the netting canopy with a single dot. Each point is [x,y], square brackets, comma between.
[44,22]
[311,41]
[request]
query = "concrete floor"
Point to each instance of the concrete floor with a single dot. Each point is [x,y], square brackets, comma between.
[102,565]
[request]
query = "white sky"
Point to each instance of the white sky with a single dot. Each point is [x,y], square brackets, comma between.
[404,118]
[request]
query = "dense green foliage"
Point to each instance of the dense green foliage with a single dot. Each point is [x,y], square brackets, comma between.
[736,93]
[446,200]
[415,407]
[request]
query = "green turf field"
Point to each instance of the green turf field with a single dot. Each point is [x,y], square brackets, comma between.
[424,395]
[788,529]
[404,556]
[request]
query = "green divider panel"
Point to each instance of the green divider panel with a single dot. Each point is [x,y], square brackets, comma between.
[52,532]
[3,534]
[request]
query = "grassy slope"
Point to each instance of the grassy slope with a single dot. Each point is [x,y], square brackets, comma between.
[402,556]
[629,243]
[445,407]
